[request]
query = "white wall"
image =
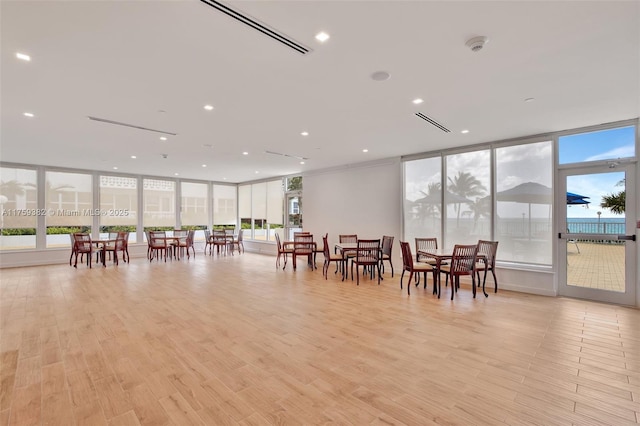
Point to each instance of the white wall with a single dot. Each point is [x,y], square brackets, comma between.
[363,199]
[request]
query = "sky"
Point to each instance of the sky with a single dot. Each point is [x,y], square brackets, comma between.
[601,145]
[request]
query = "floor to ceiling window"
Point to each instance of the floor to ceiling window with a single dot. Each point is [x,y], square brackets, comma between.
[518,214]
[19,216]
[159,201]
[524,200]
[194,207]
[119,204]
[69,201]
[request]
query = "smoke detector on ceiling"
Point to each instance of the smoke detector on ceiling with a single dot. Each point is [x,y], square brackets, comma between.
[477,43]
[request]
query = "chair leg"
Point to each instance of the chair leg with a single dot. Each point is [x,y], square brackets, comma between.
[401,277]
[409,282]
[495,280]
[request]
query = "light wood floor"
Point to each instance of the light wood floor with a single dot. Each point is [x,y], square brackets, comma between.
[231,340]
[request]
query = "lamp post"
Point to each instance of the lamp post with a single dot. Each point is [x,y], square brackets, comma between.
[599,213]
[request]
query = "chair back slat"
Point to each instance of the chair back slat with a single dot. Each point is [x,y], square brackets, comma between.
[488,249]
[303,244]
[463,260]
[368,251]
[348,238]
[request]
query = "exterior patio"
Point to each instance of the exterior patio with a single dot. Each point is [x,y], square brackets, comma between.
[597,265]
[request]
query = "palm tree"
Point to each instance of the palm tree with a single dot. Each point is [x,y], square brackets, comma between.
[615,201]
[465,185]
[431,209]
[11,189]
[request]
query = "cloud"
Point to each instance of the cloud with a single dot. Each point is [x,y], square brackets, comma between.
[620,152]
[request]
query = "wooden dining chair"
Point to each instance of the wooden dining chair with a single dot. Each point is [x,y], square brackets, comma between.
[208,242]
[329,257]
[184,244]
[387,246]
[73,249]
[463,262]
[282,251]
[118,245]
[426,244]
[303,246]
[158,245]
[219,240]
[82,245]
[414,268]
[367,255]
[487,261]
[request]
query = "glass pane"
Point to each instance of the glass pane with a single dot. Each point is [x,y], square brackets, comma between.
[224,205]
[466,198]
[118,205]
[194,204]
[524,176]
[159,198]
[422,195]
[294,211]
[259,210]
[18,199]
[69,198]
[194,213]
[607,144]
[596,204]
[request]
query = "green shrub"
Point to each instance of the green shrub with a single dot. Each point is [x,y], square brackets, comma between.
[18,231]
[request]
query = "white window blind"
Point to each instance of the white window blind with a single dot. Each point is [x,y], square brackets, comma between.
[275,198]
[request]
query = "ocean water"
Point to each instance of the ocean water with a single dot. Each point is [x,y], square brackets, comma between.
[606,225]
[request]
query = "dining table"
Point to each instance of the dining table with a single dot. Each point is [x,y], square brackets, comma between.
[443,255]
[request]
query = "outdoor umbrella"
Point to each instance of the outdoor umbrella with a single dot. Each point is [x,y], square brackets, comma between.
[528,192]
[576,199]
[535,193]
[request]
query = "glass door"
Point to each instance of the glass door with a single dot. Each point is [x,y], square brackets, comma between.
[293,215]
[597,244]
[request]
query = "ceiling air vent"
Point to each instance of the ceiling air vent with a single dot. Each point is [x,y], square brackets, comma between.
[433,122]
[118,123]
[286,155]
[298,47]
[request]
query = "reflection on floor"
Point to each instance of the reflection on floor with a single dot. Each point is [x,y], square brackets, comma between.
[596,266]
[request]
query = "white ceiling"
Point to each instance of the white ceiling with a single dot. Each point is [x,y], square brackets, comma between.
[156,64]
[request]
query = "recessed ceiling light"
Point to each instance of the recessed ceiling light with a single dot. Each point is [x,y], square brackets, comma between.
[23,56]
[134,157]
[28,114]
[208,107]
[322,37]
[365,150]
[380,76]
[224,178]
[530,99]
[163,138]
[176,174]
[302,162]
[257,172]
[245,153]
[305,133]
[204,165]
[115,168]
[464,132]
[417,101]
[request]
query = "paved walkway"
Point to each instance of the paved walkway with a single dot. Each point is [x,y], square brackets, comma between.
[596,266]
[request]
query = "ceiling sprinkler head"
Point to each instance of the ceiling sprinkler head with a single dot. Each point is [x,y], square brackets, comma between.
[477,43]
[164,155]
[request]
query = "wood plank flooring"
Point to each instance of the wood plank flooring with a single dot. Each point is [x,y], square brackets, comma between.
[231,340]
